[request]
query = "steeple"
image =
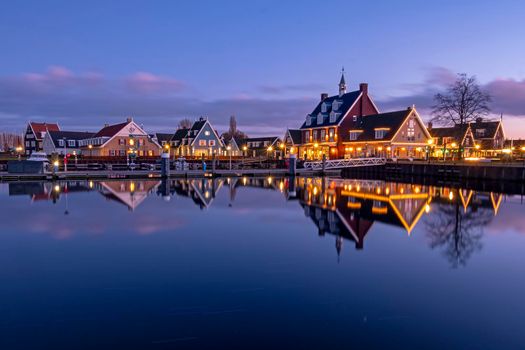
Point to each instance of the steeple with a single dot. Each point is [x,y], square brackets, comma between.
[342,83]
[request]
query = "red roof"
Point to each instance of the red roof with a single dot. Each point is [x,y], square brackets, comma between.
[39,128]
[111,130]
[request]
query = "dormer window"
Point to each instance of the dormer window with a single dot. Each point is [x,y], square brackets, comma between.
[354,134]
[308,120]
[380,133]
[332,117]
[323,107]
[320,119]
[335,105]
[480,132]
[61,143]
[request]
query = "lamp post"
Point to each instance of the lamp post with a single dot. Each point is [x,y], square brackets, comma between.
[229,148]
[282,146]
[90,146]
[19,152]
[65,154]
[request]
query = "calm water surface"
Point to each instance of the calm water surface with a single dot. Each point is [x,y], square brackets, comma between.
[260,263]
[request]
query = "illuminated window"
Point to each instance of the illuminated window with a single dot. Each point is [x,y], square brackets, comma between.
[207,133]
[354,135]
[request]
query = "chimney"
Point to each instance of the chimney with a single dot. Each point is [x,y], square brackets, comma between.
[129,119]
[324,96]
[429,125]
[363,87]
[106,125]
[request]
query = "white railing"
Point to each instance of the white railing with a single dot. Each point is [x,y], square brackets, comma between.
[344,163]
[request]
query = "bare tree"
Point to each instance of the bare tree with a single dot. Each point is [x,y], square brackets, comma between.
[233,131]
[185,124]
[463,102]
[458,233]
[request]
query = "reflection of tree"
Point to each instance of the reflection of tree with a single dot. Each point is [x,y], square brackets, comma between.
[457,231]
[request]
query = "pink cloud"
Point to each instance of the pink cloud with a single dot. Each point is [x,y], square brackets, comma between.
[144,82]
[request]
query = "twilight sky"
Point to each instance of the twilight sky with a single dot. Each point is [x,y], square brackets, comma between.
[83,64]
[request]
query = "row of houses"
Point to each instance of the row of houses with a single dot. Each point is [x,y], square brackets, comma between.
[129,138]
[350,124]
[345,125]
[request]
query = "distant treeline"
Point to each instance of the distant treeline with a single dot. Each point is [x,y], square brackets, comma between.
[10,140]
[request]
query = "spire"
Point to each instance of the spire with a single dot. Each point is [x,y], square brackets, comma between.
[342,83]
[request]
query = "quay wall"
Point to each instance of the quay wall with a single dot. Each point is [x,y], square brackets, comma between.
[445,171]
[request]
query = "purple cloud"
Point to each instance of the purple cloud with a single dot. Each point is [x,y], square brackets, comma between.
[144,82]
[508,95]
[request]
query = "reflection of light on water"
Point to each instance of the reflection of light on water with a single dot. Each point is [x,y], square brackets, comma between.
[91,184]
[270,180]
[427,208]
[244,180]
[281,186]
[57,188]
[451,195]
[207,194]
[315,191]
[132,187]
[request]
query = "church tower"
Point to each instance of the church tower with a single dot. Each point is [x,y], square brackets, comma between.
[342,83]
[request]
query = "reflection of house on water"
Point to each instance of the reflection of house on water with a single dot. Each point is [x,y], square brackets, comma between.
[129,193]
[348,208]
[201,191]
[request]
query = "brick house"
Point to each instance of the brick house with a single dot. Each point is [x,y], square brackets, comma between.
[323,130]
[121,140]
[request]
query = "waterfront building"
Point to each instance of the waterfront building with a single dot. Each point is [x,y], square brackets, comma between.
[126,139]
[325,128]
[200,140]
[34,136]
[454,141]
[268,146]
[231,146]
[162,139]
[399,134]
[292,141]
[64,142]
[489,135]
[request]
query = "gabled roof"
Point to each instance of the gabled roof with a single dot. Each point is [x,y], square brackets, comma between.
[346,101]
[271,139]
[197,125]
[179,134]
[39,128]
[456,132]
[295,135]
[161,137]
[491,127]
[110,130]
[69,135]
[367,125]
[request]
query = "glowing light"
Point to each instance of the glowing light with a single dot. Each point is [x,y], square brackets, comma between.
[477,146]
[418,149]
[207,194]
[315,191]
[417,189]
[244,181]
[316,145]
[427,208]
[506,150]
[523,148]
[270,180]
[472,159]
[292,150]
[90,146]
[91,184]
[55,163]
[131,142]
[228,148]
[132,187]
[430,141]
[270,149]
[451,195]
[332,150]
[281,145]
[378,190]
[359,148]
[388,148]
[281,186]
[379,148]
[57,188]
[351,149]
[453,145]
[244,148]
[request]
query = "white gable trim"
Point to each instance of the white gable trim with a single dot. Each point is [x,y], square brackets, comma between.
[221,144]
[349,109]
[119,133]
[418,118]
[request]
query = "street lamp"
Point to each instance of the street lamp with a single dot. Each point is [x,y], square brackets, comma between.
[90,146]
[19,152]
[229,148]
